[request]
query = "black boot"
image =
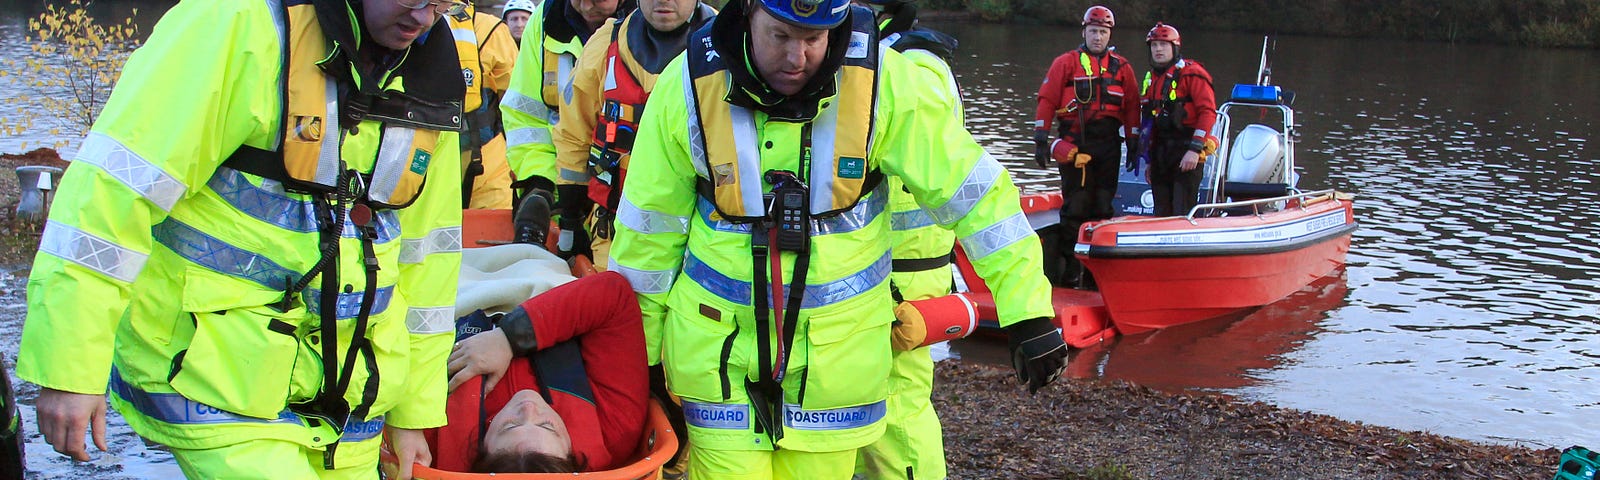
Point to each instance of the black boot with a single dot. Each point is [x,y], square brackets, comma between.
[531,224]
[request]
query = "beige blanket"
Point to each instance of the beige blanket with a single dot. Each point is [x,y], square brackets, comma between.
[496,279]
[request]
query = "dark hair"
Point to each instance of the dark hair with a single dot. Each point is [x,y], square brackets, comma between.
[524,462]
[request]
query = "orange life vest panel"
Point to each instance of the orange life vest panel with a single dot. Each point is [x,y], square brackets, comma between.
[617,123]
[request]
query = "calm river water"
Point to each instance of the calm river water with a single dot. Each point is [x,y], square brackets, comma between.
[1469,303]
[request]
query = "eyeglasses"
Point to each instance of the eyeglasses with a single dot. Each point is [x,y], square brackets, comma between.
[447,7]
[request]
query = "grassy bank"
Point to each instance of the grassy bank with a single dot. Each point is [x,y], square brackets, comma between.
[1545,23]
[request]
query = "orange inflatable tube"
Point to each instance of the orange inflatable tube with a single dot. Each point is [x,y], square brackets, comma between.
[920,323]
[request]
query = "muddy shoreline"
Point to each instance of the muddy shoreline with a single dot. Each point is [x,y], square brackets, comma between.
[1098,429]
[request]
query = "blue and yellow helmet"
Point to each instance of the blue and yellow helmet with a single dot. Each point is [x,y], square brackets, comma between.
[815,14]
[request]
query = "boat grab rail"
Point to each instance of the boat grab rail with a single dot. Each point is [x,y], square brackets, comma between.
[1256,204]
[1325,194]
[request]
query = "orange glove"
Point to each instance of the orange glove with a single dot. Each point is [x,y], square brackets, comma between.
[1208,148]
[1063,151]
[1081,159]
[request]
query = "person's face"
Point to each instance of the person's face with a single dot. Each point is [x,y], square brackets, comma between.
[1161,52]
[516,21]
[786,56]
[667,15]
[528,424]
[1097,38]
[394,26]
[595,11]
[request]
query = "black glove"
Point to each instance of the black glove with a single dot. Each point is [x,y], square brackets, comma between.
[1037,352]
[1133,153]
[1041,147]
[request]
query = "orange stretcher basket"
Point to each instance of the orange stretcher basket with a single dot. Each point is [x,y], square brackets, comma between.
[490,227]
[658,444]
[483,228]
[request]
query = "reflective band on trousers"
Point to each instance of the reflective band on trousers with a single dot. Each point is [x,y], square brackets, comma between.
[153,183]
[270,203]
[91,252]
[855,218]
[721,416]
[977,184]
[817,295]
[175,409]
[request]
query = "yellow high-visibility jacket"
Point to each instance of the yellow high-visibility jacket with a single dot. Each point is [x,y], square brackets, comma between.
[181,264]
[693,269]
[541,79]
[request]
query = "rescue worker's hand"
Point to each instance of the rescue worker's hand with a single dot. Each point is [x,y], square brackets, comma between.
[1132,145]
[1063,151]
[63,416]
[409,447]
[1190,160]
[1041,147]
[1037,352]
[487,353]
[1081,159]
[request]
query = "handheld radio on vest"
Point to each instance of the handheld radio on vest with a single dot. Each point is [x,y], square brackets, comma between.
[789,206]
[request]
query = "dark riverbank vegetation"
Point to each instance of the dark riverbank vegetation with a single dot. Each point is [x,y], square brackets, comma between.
[1543,23]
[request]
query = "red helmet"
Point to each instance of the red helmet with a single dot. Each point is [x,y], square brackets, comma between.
[1163,32]
[1098,15]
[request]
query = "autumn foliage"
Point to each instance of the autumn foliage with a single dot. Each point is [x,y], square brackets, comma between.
[74,62]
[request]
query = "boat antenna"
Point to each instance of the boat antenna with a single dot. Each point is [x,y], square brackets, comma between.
[1264,71]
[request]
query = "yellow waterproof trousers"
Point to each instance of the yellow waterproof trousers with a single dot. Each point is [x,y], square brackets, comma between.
[279,459]
[912,446]
[770,465]
[492,188]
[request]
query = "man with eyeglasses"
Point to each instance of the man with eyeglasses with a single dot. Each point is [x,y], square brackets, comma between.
[258,243]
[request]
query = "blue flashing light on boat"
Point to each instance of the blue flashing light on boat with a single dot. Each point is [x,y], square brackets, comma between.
[1262,94]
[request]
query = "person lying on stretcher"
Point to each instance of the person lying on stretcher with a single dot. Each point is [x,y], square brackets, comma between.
[558,384]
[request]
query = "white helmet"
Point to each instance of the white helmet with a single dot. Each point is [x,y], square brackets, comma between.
[524,5]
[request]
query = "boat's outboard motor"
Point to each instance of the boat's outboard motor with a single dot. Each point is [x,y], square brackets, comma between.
[1256,156]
